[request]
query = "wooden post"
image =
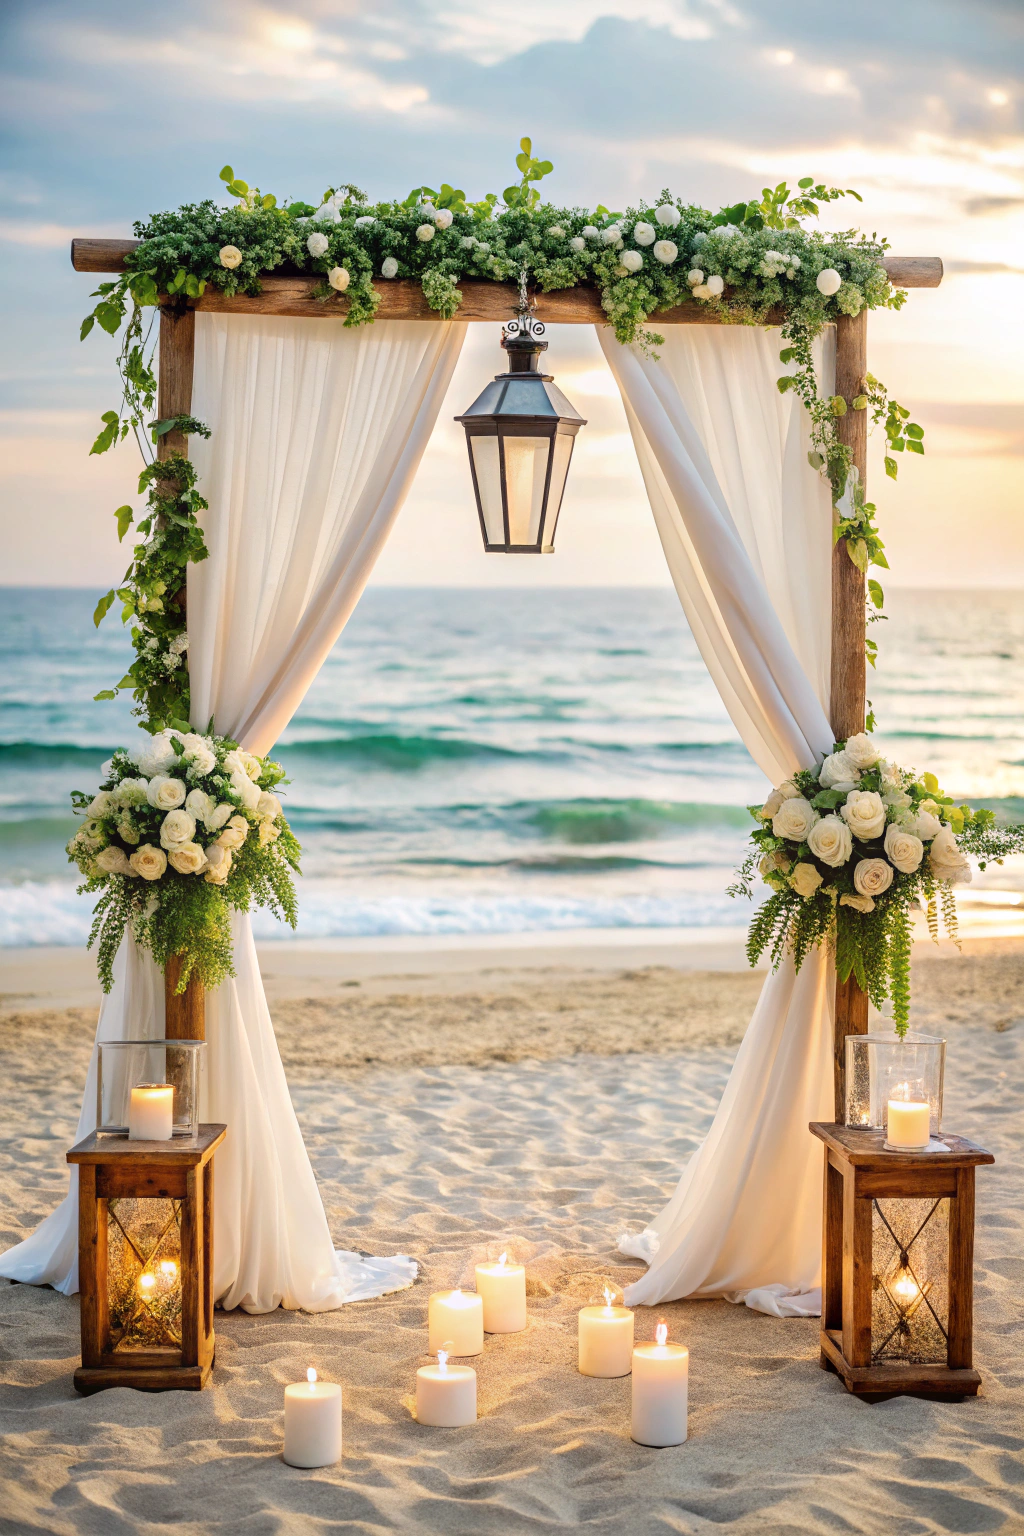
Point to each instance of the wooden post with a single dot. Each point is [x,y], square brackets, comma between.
[184,1012]
[848,681]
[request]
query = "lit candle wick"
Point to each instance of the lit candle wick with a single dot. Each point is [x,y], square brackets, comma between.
[501,1261]
[609,1296]
[442,1361]
[661,1335]
[311,1378]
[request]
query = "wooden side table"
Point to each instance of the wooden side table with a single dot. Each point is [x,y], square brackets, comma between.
[145,1258]
[898,1264]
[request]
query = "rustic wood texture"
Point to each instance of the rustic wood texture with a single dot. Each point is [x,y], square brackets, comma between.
[848,681]
[961,1272]
[111,1166]
[865,1149]
[878,1382]
[175,362]
[856,1271]
[184,1012]
[832,1247]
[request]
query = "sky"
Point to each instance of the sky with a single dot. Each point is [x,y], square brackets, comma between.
[114,109]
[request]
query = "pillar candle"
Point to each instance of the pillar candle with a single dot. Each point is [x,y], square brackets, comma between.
[455,1323]
[660,1379]
[605,1340]
[446,1394]
[151,1112]
[908,1124]
[502,1289]
[312,1422]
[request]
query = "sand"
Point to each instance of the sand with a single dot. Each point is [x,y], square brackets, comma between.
[544,1110]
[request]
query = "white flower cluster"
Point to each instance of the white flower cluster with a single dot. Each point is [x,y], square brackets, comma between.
[181,801]
[908,828]
[775,263]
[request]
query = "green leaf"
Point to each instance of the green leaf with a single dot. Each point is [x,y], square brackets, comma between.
[269,200]
[787,381]
[124,517]
[891,468]
[913,446]
[104,693]
[108,436]
[127,681]
[805,182]
[102,608]
[913,430]
[109,317]
[787,354]
[526,145]
[87,325]
[815,460]
[875,593]
[227,174]
[238,188]
[858,553]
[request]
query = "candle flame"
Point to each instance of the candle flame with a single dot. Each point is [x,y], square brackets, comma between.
[442,1360]
[146,1282]
[903,1092]
[906,1286]
[501,1261]
[168,1268]
[311,1375]
[661,1335]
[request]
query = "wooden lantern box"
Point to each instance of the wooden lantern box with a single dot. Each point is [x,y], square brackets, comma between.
[145,1257]
[898,1265]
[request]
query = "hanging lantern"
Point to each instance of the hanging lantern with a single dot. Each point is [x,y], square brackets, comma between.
[520,433]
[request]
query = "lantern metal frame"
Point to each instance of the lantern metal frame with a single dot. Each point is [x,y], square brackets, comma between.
[897,1300]
[146,1207]
[521,404]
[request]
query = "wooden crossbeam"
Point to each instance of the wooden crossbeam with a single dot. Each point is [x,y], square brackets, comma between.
[403,299]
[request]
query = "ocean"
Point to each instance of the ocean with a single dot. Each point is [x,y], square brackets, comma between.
[499,761]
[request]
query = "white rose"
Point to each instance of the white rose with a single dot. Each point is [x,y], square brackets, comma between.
[127,830]
[589,232]
[269,805]
[234,834]
[861,751]
[555,231]
[103,804]
[838,772]
[577,243]
[443,218]
[177,827]
[268,832]
[164,794]
[644,234]
[695,277]
[805,880]
[794,819]
[388,268]
[946,860]
[317,244]
[859,903]
[327,213]
[218,865]
[829,282]
[667,216]
[632,261]
[338,279]
[926,826]
[246,790]
[113,861]
[149,862]
[665,251]
[611,233]
[864,813]
[831,841]
[365,220]
[772,804]
[131,792]
[198,753]
[889,774]
[715,285]
[230,256]
[242,762]
[702,291]
[187,858]
[904,850]
[425,232]
[219,815]
[428,210]
[199,804]
[154,754]
[872,876]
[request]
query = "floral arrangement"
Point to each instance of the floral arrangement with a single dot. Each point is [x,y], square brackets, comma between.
[747,261]
[848,850]
[184,829]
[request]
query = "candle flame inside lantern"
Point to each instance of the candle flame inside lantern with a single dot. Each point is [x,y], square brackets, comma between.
[442,1360]
[501,1261]
[168,1269]
[906,1286]
[903,1092]
[661,1335]
[311,1377]
[146,1282]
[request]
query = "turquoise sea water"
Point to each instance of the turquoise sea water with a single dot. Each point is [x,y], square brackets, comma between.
[498,761]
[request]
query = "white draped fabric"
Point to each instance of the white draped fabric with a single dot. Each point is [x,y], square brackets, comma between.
[317,433]
[746,526]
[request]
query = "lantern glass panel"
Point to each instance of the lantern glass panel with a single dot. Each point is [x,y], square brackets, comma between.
[127,1064]
[526,470]
[880,1067]
[910,1281]
[488,480]
[144,1273]
[559,469]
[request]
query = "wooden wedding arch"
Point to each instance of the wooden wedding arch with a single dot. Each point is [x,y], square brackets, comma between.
[489,301]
